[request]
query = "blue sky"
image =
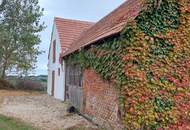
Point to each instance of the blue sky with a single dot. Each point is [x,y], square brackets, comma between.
[88,10]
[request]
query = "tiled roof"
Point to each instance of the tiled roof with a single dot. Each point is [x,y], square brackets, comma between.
[109,25]
[70,30]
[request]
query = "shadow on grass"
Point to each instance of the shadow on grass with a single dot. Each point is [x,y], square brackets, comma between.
[7,123]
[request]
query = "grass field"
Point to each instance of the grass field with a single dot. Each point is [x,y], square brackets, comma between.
[13,124]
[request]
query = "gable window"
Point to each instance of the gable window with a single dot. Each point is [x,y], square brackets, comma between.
[54,51]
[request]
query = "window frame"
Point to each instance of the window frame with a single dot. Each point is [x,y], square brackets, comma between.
[54,51]
[59,71]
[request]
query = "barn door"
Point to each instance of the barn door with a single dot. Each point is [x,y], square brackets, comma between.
[53,83]
[74,91]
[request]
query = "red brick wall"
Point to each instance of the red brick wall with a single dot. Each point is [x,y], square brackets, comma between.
[100,101]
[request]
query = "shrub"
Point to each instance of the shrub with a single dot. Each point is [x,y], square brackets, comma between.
[30,85]
[4,84]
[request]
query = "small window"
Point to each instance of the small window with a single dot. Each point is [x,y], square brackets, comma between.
[59,71]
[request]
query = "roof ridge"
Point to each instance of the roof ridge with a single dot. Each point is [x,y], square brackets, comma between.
[73,20]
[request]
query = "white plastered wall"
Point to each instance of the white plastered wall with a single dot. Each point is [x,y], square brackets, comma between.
[59,89]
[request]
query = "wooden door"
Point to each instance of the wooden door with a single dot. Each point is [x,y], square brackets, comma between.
[74,90]
[53,83]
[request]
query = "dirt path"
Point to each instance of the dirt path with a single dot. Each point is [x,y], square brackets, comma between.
[40,110]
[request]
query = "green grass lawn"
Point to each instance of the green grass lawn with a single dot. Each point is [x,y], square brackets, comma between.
[13,124]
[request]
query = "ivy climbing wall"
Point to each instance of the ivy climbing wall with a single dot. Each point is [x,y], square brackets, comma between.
[149,63]
[100,101]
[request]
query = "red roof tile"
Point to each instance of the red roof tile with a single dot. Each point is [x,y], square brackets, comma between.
[109,25]
[70,30]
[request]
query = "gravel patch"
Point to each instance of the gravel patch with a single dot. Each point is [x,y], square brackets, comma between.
[42,112]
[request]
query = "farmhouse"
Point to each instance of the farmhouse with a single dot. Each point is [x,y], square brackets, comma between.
[132,68]
[65,31]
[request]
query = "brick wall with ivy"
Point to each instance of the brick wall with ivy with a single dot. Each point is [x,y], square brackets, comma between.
[100,101]
[149,65]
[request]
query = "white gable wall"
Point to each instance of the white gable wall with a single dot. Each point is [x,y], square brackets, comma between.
[59,86]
